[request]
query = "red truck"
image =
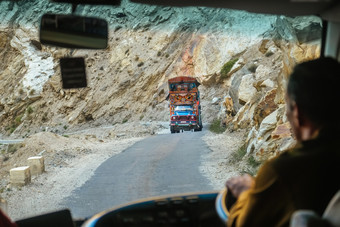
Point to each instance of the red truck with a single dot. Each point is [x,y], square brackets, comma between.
[185,106]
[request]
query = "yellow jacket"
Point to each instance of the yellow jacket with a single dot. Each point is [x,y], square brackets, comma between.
[303,178]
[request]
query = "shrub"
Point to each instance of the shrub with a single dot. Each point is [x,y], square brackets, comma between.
[12,148]
[227,67]
[18,120]
[240,153]
[44,117]
[217,127]
[252,162]
[29,110]
[32,92]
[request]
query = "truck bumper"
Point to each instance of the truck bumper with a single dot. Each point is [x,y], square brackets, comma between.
[183,126]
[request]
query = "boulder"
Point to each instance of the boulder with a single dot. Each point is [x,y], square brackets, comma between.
[246,89]
[244,116]
[20,176]
[208,80]
[265,107]
[215,101]
[36,164]
[229,105]
[259,139]
[283,30]
[262,72]
[268,83]
[307,30]
[282,131]
[305,51]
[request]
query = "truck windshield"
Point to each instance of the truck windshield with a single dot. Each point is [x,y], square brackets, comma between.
[183,109]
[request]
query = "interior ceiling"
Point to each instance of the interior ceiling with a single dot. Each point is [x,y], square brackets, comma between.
[283,7]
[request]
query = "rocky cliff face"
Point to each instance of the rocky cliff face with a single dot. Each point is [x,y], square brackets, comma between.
[242,61]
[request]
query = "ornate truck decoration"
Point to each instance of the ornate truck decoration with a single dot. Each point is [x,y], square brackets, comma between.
[185,107]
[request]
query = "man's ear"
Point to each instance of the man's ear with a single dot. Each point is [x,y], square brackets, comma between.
[305,129]
[300,117]
[297,118]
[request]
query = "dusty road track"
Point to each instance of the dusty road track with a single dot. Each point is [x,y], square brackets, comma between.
[158,165]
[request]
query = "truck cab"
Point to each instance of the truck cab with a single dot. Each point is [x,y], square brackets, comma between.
[183,118]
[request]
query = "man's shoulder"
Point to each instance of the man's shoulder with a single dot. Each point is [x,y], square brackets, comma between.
[304,161]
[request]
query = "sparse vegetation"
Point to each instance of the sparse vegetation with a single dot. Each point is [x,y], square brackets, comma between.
[250,165]
[32,92]
[240,153]
[12,148]
[252,162]
[227,67]
[140,64]
[246,164]
[217,127]
[17,121]
[44,117]
[29,110]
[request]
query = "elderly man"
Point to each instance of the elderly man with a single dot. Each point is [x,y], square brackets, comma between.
[307,176]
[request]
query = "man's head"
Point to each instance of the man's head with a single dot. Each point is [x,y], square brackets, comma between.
[313,94]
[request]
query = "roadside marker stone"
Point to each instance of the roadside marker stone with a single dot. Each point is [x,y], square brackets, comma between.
[20,176]
[3,205]
[36,164]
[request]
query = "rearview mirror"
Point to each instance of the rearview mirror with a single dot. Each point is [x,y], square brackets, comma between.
[73,31]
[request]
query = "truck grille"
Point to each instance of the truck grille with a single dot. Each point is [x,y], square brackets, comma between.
[184,118]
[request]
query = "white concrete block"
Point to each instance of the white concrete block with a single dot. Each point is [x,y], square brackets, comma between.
[36,164]
[3,205]
[20,176]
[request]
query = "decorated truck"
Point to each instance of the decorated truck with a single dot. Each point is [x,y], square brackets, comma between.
[184,103]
